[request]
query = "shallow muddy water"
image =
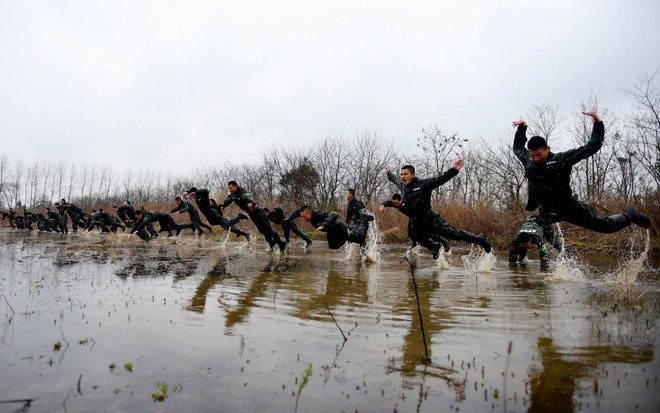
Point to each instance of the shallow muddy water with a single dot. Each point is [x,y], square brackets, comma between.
[105,325]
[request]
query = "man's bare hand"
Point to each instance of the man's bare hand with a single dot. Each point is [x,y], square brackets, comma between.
[459,164]
[517,123]
[593,115]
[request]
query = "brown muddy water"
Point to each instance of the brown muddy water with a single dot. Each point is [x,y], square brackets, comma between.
[94,324]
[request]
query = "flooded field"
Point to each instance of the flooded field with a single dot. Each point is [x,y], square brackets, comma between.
[109,325]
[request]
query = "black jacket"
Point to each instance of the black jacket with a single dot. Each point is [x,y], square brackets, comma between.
[186,206]
[354,210]
[319,218]
[417,194]
[241,198]
[550,183]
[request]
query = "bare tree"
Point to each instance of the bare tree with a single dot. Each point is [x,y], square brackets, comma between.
[72,178]
[4,179]
[368,158]
[329,159]
[592,173]
[543,120]
[645,119]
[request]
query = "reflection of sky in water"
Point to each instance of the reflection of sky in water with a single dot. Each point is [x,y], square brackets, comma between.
[238,328]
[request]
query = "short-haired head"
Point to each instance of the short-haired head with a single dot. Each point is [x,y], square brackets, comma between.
[178,199]
[538,149]
[536,142]
[396,197]
[410,168]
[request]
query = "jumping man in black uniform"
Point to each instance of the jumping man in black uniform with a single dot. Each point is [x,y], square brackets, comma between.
[338,232]
[185,206]
[417,205]
[214,214]
[279,217]
[125,212]
[397,202]
[143,218]
[549,176]
[245,202]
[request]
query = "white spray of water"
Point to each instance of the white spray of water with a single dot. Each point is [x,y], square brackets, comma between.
[349,250]
[566,268]
[630,268]
[224,242]
[442,262]
[412,252]
[479,260]
[372,251]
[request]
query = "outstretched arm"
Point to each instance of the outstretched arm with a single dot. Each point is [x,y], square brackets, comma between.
[593,115]
[592,146]
[394,178]
[450,173]
[519,140]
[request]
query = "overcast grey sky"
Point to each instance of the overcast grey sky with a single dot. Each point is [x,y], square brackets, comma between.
[158,84]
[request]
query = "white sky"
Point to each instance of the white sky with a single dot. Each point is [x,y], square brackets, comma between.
[165,84]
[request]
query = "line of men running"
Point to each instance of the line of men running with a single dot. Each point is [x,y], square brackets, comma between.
[548,176]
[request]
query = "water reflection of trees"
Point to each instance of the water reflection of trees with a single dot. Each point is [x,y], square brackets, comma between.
[616,331]
[553,384]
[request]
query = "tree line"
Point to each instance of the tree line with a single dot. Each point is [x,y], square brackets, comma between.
[627,167]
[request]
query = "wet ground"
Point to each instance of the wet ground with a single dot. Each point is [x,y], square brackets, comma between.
[101,324]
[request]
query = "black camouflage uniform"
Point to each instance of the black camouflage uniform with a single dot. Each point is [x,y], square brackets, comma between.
[242,198]
[279,217]
[337,231]
[126,213]
[76,214]
[64,220]
[11,217]
[185,206]
[214,215]
[52,221]
[105,222]
[550,186]
[533,231]
[28,219]
[354,210]
[411,231]
[417,201]
[165,220]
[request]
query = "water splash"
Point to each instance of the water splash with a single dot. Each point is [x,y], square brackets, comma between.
[479,260]
[224,241]
[350,251]
[566,265]
[630,268]
[442,262]
[372,252]
[412,252]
